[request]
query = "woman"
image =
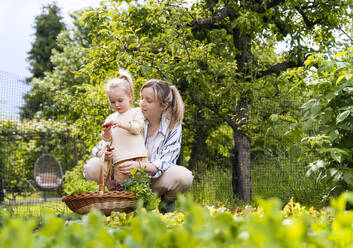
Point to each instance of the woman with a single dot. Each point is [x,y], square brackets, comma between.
[163,109]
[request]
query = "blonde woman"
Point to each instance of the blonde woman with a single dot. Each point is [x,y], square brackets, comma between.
[163,110]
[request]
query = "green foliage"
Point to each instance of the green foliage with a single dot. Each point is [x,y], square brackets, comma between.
[23,143]
[74,182]
[328,117]
[139,183]
[243,84]
[265,226]
[164,40]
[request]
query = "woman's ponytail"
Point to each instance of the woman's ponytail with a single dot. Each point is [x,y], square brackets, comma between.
[177,108]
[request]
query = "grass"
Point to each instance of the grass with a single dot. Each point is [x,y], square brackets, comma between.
[272,176]
[214,187]
[36,209]
[33,204]
[285,178]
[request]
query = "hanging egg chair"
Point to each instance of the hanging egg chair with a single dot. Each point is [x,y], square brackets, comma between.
[48,173]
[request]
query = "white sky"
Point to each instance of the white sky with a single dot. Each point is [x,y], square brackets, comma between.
[16,29]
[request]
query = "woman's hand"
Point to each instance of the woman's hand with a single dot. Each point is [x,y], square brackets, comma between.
[125,167]
[108,154]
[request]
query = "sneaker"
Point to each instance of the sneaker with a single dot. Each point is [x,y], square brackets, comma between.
[170,205]
[166,206]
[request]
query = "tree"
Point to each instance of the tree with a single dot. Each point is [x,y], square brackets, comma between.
[64,95]
[47,27]
[223,50]
[58,55]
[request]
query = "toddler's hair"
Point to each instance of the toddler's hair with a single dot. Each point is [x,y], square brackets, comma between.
[125,82]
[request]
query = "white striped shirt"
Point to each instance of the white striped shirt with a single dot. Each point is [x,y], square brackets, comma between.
[164,148]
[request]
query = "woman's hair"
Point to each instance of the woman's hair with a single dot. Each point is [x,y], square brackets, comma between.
[124,82]
[168,94]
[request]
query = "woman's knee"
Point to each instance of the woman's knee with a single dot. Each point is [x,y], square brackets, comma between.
[177,179]
[91,169]
[182,177]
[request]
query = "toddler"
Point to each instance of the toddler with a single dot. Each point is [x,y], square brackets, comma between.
[123,129]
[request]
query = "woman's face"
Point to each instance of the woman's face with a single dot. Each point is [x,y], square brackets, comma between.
[150,106]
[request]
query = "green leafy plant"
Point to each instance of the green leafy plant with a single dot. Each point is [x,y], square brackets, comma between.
[139,183]
[75,182]
[196,226]
[328,118]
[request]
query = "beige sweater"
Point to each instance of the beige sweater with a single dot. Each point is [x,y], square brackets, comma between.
[128,145]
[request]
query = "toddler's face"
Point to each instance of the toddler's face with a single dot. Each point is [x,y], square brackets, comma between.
[119,100]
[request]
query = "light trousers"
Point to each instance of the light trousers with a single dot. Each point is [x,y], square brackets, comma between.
[176,179]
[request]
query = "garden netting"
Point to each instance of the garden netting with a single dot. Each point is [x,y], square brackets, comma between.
[273,174]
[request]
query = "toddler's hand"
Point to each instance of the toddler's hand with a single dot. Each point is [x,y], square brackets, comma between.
[120,124]
[106,133]
[106,125]
[116,123]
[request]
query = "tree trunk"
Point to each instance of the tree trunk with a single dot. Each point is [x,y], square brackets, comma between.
[241,178]
[198,153]
[2,196]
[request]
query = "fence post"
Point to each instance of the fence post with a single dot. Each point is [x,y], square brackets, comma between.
[2,195]
[75,150]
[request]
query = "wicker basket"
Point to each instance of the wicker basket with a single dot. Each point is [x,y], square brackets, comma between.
[105,201]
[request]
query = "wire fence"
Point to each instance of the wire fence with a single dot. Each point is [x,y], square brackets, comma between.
[13,88]
[271,176]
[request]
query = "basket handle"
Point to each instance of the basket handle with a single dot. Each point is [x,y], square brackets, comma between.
[102,180]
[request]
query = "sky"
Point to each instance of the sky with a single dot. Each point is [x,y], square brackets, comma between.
[16,29]
[16,36]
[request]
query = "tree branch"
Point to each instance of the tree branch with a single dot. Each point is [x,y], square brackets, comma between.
[265,5]
[209,23]
[310,24]
[216,110]
[277,68]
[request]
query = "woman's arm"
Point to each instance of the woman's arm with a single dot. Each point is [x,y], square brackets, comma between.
[168,151]
[137,123]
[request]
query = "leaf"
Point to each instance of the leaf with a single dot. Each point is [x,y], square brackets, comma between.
[274,117]
[340,54]
[342,116]
[348,177]
[308,124]
[341,78]
[315,108]
[334,134]
[308,104]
